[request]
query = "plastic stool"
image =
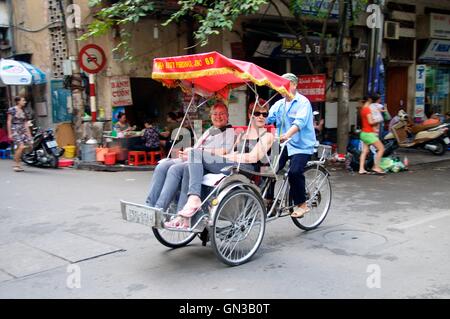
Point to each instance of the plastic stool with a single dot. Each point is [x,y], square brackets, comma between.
[5,154]
[137,158]
[151,156]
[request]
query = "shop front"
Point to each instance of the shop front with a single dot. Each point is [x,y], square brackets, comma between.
[434,55]
[436,59]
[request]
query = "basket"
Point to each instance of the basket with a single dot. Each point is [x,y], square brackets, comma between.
[65,162]
[110,158]
[324,151]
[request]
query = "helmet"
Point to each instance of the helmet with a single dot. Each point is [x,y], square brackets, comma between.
[403,116]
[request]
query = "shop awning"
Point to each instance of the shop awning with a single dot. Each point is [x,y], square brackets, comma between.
[14,72]
[436,51]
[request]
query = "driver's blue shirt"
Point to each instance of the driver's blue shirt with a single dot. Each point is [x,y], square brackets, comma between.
[296,112]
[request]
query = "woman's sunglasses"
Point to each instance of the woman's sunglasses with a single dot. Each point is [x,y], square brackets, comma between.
[264,114]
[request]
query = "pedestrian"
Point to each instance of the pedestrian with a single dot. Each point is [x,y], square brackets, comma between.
[18,130]
[294,120]
[369,137]
[318,125]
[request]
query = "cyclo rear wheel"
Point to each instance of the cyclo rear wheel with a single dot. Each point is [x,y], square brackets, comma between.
[318,190]
[238,227]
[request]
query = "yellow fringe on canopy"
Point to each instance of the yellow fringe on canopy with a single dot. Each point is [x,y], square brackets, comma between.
[217,71]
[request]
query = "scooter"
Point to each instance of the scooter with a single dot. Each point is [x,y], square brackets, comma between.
[354,151]
[433,139]
[45,151]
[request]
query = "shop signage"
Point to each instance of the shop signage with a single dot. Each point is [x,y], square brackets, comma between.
[420,90]
[92,58]
[439,26]
[312,86]
[437,50]
[121,91]
[293,46]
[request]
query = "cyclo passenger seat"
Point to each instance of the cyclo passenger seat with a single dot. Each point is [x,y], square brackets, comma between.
[265,171]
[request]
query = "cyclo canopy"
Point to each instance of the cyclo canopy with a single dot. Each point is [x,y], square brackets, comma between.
[211,73]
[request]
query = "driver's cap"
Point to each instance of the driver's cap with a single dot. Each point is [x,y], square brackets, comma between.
[291,77]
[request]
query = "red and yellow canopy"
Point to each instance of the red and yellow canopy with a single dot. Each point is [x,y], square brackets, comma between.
[212,73]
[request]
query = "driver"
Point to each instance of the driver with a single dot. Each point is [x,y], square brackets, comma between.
[294,120]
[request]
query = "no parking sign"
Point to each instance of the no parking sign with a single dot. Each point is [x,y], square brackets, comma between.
[92,58]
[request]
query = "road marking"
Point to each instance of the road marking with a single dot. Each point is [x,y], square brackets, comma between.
[419,221]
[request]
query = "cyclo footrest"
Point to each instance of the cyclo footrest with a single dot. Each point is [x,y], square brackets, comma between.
[198,223]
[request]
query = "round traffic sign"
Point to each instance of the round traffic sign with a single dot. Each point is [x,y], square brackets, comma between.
[92,58]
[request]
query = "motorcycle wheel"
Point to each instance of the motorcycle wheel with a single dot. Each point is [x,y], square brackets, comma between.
[53,163]
[441,148]
[28,158]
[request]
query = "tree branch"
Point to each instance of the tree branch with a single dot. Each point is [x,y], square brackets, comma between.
[311,66]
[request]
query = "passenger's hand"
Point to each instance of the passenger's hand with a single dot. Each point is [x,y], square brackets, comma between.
[183,155]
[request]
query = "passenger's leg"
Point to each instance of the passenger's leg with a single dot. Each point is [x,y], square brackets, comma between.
[157,182]
[184,189]
[171,184]
[196,171]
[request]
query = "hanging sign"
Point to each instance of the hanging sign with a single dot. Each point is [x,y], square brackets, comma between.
[439,26]
[92,58]
[312,86]
[420,90]
[121,91]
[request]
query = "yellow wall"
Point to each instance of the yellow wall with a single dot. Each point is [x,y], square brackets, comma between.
[32,15]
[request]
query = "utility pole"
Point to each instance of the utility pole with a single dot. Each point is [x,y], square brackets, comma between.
[76,83]
[342,79]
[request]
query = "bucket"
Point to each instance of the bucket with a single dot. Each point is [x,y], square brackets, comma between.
[88,152]
[65,163]
[110,158]
[69,151]
[100,153]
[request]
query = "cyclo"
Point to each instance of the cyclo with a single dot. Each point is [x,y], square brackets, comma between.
[234,208]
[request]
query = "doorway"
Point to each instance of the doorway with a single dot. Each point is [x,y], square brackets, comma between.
[397,89]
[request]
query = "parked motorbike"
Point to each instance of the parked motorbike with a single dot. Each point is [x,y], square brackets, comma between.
[45,151]
[354,151]
[434,138]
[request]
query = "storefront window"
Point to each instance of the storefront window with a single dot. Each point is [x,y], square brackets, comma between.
[437,89]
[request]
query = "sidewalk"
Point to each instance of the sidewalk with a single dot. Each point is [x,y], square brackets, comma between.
[420,157]
[415,157]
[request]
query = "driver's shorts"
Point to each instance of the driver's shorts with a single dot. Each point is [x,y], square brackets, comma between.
[368,138]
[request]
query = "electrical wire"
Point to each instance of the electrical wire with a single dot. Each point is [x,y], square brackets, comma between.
[28,30]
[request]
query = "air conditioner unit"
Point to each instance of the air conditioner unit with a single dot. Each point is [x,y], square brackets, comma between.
[391,30]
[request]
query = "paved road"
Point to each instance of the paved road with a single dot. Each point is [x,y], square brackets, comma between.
[62,236]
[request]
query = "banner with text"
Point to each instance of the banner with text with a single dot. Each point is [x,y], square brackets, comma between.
[312,86]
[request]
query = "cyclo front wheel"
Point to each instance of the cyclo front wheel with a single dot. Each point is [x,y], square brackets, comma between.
[238,227]
[318,195]
[172,238]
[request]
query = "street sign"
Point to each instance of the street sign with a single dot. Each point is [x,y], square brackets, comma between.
[92,58]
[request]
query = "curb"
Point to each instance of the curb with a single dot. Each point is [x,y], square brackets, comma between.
[94,166]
